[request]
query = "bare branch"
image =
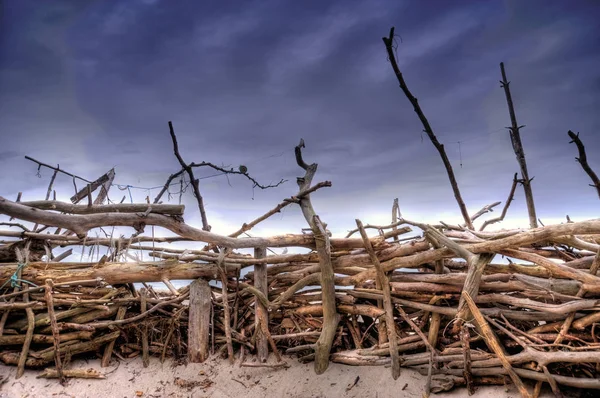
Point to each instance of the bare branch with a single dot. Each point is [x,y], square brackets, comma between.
[244,173]
[56,169]
[509,200]
[388,41]
[193,179]
[582,159]
[515,137]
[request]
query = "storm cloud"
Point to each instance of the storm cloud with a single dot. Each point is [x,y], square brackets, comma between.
[91,85]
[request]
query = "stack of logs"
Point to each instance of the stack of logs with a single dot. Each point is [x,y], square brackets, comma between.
[442,302]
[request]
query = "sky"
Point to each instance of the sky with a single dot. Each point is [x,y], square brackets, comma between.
[91,85]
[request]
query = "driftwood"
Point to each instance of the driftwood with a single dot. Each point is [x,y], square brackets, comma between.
[389,46]
[515,138]
[582,159]
[381,300]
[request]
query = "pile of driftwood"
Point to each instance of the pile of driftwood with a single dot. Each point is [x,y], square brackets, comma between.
[461,304]
[442,302]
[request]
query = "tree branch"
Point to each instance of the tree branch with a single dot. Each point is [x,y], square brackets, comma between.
[515,137]
[193,179]
[582,159]
[388,41]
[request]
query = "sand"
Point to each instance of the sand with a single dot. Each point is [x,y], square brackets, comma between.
[216,378]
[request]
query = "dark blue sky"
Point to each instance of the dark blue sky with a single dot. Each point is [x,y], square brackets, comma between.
[92,85]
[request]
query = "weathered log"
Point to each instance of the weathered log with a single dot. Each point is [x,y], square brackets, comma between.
[117,273]
[63,207]
[81,224]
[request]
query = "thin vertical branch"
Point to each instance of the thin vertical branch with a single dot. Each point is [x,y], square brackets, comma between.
[395,212]
[464,338]
[509,200]
[145,348]
[23,257]
[55,332]
[515,138]
[387,301]
[388,41]
[226,312]
[261,314]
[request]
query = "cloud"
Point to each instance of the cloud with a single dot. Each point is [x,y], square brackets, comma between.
[91,85]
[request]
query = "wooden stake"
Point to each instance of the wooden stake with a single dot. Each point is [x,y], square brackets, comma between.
[110,346]
[199,321]
[145,348]
[261,312]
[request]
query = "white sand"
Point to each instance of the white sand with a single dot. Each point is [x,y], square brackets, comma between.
[219,379]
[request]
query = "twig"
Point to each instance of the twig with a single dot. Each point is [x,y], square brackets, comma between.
[264,365]
[485,209]
[56,169]
[552,382]
[509,200]
[294,199]
[167,184]
[241,172]
[144,327]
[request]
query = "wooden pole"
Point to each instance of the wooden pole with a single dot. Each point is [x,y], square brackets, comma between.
[262,314]
[199,321]
[145,346]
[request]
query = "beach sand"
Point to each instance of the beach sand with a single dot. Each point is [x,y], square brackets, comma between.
[217,378]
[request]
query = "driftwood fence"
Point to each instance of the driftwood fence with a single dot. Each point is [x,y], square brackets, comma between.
[440,302]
